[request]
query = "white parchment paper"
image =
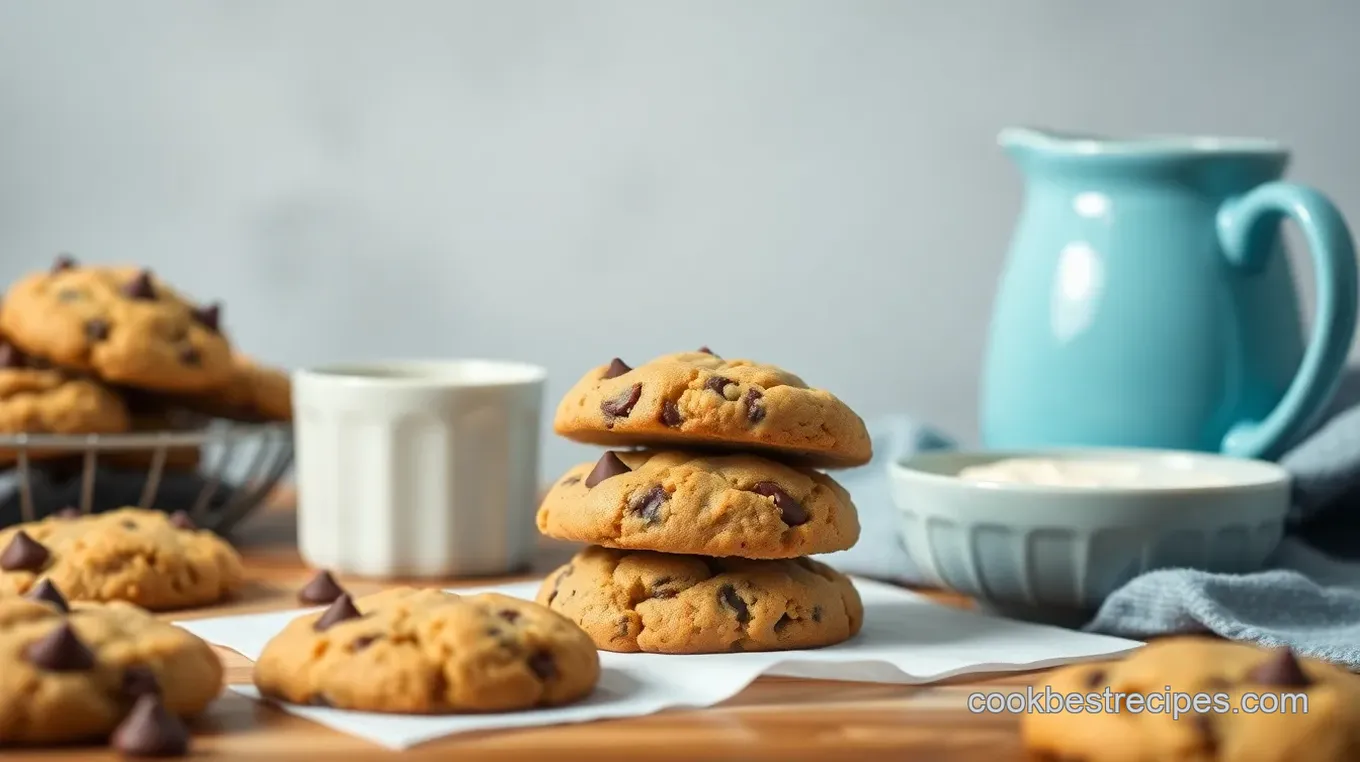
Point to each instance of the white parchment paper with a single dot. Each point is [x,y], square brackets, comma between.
[905,639]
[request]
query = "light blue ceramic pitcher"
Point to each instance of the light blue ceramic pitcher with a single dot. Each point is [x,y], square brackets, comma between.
[1147,301]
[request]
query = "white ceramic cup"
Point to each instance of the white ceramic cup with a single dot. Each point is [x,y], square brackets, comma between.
[418,469]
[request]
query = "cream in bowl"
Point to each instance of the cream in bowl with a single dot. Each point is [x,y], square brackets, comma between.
[1166,472]
[1048,535]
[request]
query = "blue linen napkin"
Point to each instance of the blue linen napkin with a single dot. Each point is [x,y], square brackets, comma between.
[1307,598]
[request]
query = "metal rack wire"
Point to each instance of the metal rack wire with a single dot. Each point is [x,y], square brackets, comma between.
[239,465]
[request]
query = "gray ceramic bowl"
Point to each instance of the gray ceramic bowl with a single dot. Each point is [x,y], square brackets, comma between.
[1053,553]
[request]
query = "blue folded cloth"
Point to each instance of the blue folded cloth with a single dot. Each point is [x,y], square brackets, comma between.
[1308,597]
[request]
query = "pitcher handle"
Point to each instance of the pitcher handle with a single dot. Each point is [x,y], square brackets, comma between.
[1246,227]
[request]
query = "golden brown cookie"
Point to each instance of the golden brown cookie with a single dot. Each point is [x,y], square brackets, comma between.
[671,604]
[1253,704]
[254,393]
[45,401]
[74,676]
[120,323]
[429,652]
[144,557]
[697,399]
[704,504]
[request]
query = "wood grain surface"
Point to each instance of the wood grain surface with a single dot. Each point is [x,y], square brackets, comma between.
[774,719]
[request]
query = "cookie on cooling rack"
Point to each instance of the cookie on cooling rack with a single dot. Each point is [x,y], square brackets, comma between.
[38,400]
[155,413]
[254,393]
[120,323]
[157,561]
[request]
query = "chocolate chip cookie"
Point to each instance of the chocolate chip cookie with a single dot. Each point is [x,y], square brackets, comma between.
[672,604]
[429,652]
[1273,723]
[144,557]
[74,672]
[694,399]
[254,393]
[35,400]
[704,504]
[122,324]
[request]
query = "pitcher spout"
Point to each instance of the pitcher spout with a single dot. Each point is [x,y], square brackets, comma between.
[1018,140]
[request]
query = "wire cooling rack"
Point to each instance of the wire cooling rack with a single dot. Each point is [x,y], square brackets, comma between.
[235,469]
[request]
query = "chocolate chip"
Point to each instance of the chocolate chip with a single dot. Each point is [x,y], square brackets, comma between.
[623,626]
[129,524]
[190,356]
[660,592]
[96,329]
[648,504]
[755,406]
[790,510]
[509,615]
[608,466]
[363,641]
[670,414]
[24,554]
[181,520]
[341,611]
[542,665]
[707,351]
[816,613]
[322,588]
[616,368]
[1281,669]
[727,595]
[717,384]
[63,262]
[46,592]
[1095,678]
[140,287]
[622,405]
[10,356]
[570,480]
[210,317]
[138,681]
[784,621]
[150,730]
[60,651]
[69,512]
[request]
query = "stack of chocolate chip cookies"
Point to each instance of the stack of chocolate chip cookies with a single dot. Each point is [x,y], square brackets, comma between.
[105,349]
[699,542]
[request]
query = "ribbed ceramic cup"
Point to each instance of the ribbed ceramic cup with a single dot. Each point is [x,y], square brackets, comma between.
[418,468]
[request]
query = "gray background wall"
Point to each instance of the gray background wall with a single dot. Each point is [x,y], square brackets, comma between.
[810,183]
